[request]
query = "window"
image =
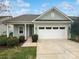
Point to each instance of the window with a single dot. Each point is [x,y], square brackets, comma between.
[20,30]
[55,27]
[41,27]
[62,27]
[48,27]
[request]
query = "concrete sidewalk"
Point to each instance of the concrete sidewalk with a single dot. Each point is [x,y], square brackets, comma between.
[57,49]
[29,43]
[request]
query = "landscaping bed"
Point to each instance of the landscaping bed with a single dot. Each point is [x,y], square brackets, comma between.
[11,41]
[18,53]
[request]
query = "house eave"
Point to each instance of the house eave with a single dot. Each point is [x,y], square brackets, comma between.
[52,22]
[19,22]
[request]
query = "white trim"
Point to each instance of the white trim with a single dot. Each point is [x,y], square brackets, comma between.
[19,22]
[52,22]
[13,30]
[6,18]
[19,29]
[56,10]
[7,30]
[34,29]
[63,14]
[25,32]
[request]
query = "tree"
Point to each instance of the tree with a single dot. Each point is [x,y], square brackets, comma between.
[4,8]
[75,28]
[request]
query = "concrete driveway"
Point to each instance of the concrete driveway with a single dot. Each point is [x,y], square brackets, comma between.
[57,49]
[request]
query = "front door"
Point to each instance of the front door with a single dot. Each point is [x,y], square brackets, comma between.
[31,29]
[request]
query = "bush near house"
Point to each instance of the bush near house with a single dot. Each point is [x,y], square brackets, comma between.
[21,39]
[12,41]
[11,34]
[3,40]
[9,42]
[35,38]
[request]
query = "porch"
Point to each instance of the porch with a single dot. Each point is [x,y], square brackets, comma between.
[25,30]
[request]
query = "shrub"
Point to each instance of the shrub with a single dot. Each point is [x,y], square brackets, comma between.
[34,38]
[3,40]
[3,36]
[21,39]
[11,34]
[12,41]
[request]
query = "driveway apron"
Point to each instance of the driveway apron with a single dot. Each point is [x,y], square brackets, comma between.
[57,49]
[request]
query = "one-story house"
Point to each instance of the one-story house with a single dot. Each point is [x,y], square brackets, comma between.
[52,24]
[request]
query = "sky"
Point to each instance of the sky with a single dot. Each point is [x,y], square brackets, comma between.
[20,7]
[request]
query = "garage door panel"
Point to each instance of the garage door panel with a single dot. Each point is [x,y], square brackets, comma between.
[58,34]
[43,34]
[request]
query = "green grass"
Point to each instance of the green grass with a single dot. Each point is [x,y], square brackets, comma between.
[18,53]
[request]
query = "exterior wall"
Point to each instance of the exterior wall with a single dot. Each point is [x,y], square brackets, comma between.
[69,31]
[3,29]
[16,30]
[29,30]
[53,15]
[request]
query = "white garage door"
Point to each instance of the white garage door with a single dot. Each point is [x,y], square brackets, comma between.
[52,32]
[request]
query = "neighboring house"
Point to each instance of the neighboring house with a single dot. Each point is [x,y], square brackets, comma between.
[52,24]
[3,26]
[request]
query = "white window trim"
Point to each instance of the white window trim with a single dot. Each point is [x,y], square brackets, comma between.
[19,30]
[42,27]
[49,27]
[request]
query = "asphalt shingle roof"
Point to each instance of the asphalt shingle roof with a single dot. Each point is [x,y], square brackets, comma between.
[4,17]
[27,17]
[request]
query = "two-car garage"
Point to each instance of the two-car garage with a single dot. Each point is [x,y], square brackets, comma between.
[52,32]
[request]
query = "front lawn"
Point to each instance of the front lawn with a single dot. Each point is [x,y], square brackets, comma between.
[18,53]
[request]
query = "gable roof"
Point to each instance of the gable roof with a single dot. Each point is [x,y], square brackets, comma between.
[34,17]
[57,11]
[30,17]
[26,17]
[4,18]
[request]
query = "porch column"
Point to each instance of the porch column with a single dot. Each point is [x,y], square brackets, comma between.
[25,32]
[35,29]
[13,30]
[7,30]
